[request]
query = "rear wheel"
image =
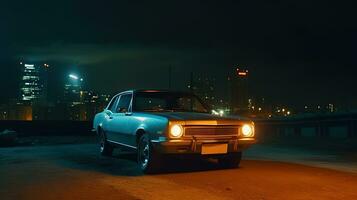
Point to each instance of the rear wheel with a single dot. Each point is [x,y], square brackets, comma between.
[105,148]
[231,160]
[148,159]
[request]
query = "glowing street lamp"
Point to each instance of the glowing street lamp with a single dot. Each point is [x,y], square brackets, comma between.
[72,76]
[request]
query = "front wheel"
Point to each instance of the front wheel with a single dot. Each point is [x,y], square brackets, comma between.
[231,160]
[105,148]
[148,159]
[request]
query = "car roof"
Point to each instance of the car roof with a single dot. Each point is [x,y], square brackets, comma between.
[153,91]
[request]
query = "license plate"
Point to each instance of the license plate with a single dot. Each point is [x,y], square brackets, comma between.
[214,149]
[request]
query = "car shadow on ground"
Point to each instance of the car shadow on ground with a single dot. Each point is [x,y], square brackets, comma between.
[124,164]
[190,164]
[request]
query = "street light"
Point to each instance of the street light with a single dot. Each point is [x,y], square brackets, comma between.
[72,76]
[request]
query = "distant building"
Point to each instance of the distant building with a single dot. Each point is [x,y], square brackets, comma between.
[76,103]
[33,89]
[89,105]
[259,108]
[72,89]
[204,87]
[33,83]
[20,111]
[80,104]
[239,100]
[331,107]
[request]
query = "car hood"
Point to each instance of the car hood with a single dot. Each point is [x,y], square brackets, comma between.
[189,116]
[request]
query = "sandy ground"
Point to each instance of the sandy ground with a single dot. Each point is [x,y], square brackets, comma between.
[76,171]
[333,158]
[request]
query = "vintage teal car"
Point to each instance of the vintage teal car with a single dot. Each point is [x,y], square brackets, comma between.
[156,123]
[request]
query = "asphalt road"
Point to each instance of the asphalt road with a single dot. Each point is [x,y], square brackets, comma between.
[76,171]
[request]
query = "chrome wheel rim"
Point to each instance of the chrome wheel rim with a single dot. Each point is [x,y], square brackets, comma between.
[144,152]
[102,141]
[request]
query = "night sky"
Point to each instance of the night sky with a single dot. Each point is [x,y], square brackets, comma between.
[298,52]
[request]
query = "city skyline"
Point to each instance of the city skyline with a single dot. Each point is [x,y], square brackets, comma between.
[57,89]
[294,60]
[220,83]
[75,100]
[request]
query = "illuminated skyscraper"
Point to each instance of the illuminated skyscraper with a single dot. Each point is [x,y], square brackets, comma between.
[73,89]
[33,84]
[239,90]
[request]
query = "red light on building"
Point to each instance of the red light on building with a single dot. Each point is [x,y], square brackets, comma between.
[241,72]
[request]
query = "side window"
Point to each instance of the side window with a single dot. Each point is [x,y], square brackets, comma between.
[112,104]
[124,103]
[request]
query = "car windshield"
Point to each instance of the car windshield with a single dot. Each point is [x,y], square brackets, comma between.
[168,102]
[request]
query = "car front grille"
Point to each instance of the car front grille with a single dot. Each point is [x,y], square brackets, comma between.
[208,130]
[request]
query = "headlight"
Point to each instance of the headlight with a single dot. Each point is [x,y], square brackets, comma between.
[176,131]
[247,130]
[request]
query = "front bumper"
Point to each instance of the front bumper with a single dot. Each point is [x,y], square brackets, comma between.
[194,145]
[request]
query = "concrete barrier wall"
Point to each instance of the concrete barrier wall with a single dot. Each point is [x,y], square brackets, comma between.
[307,128]
[47,127]
[264,129]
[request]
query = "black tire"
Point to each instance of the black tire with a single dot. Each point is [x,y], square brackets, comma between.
[148,159]
[231,160]
[105,148]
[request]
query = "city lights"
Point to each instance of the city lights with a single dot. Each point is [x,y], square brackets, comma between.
[219,112]
[32,85]
[242,72]
[215,112]
[33,88]
[72,76]
[29,66]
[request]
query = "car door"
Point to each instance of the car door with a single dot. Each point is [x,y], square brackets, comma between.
[121,120]
[109,114]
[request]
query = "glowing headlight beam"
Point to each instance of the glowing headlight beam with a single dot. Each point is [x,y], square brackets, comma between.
[247,130]
[176,131]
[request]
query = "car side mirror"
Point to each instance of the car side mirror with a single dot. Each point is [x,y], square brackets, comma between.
[108,112]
